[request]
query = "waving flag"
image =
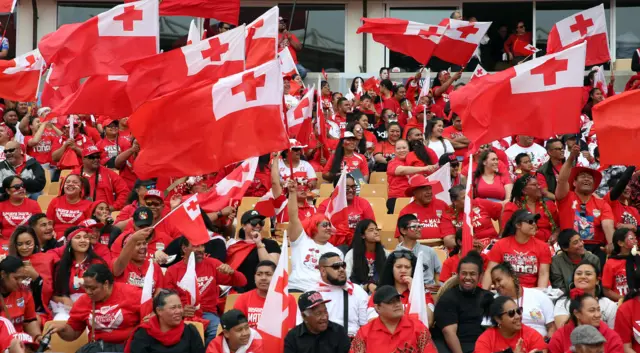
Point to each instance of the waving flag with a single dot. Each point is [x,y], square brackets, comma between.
[194,35]
[189,281]
[337,208]
[146,301]
[261,43]
[266,205]
[230,190]
[588,26]
[522,47]
[615,129]
[99,95]
[460,40]
[227,11]
[102,44]
[600,81]
[426,82]
[443,176]
[301,114]
[287,65]
[187,218]
[19,78]
[478,72]
[52,96]
[467,227]
[7,5]
[417,305]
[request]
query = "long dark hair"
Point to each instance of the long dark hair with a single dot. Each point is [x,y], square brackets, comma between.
[576,305]
[360,271]
[63,267]
[362,144]
[480,168]
[386,277]
[133,195]
[338,156]
[353,88]
[496,308]
[418,147]
[6,184]
[13,247]
[510,227]
[263,162]
[517,193]
[619,235]
[429,130]
[10,264]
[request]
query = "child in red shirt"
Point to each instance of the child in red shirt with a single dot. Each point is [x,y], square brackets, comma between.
[620,265]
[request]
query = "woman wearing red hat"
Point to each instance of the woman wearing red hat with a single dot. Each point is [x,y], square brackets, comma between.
[71,207]
[113,142]
[15,208]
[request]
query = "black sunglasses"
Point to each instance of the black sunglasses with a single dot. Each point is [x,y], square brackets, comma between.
[93,156]
[337,265]
[530,221]
[513,312]
[254,222]
[153,204]
[402,254]
[10,150]
[17,186]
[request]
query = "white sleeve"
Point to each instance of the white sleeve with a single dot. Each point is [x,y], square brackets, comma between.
[609,312]
[371,313]
[348,259]
[561,308]
[311,174]
[448,146]
[363,308]
[547,307]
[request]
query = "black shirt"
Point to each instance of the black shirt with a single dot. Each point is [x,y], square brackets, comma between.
[248,266]
[466,310]
[333,340]
[191,342]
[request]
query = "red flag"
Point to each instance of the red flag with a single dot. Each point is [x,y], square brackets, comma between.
[300,114]
[99,95]
[588,26]
[227,11]
[187,218]
[414,39]
[266,205]
[540,98]
[324,75]
[478,72]
[372,84]
[51,95]
[261,44]
[460,40]
[616,129]
[207,60]
[103,43]
[146,300]
[467,227]
[236,118]
[7,6]
[521,46]
[19,77]
[230,190]
[337,207]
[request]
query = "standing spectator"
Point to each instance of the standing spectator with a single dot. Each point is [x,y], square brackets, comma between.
[105,184]
[409,228]
[365,260]
[15,208]
[514,46]
[288,39]
[525,144]
[385,150]
[113,143]
[392,330]
[489,182]
[624,214]
[443,86]
[316,334]
[39,142]
[302,171]
[386,93]
[339,293]
[29,170]
[565,262]
[236,335]
[551,168]
[71,207]
[628,316]
[455,135]
[618,272]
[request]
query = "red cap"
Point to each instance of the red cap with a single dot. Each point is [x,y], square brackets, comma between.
[108,122]
[89,150]
[90,223]
[418,181]
[155,193]
[420,108]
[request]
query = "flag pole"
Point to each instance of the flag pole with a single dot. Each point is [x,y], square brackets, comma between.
[293,9]
[525,59]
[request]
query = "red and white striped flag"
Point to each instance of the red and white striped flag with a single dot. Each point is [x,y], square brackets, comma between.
[467,227]
[417,305]
[230,190]
[146,300]
[189,281]
[337,208]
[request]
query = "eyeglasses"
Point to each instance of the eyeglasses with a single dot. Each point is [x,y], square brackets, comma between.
[10,150]
[93,156]
[513,312]
[351,187]
[324,224]
[151,186]
[337,265]
[403,254]
[153,204]
[17,186]
[255,222]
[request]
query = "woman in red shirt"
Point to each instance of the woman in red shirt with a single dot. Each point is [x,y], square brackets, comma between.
[398,173]
[345,156]
[516,43]
[527,195]
[443,86]
[116,307]
[619,269]
[420,155]
[624,214]
[386,150]
[489,182]
[15,208]
[628,318]
[17,300]
[529,257]
[508,332]
[483,214]
[70,208]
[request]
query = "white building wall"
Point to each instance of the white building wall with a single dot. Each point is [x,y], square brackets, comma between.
[47,20]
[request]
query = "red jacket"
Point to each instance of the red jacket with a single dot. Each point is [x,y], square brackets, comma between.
[111,187]
[561,340]
[254,345]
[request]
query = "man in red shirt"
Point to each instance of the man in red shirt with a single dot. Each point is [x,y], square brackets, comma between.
[288,39]
[113,143]
[580,209]
[392,330]
[104,182]
[386,93]
[515,44]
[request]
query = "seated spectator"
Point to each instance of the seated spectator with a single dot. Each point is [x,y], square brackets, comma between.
[450,265]
[392,330]
[537,308]
[100,249]
[508,331]
[624,214]
[585,280]
[135,200]
[6,135]
[165,331]
[15,208]
[461,309]
[385,150]
[67,285]
[455,135]
[489,182]
[316,333]
[387,117]
[236,335]
[398,173]
[98,305]
[529,257]
[30,171]
[503,161]
[43,228]
[71,207]
[365,260]
[358,209]
[585,310]
[580,209]
[524,167]
[618,271]
[308,243]
[132,264]
[586,338]
[409,227]
[483,214]
[429,211]
[436,142]
[361,142]
[628,316]
[367,126]
[565,262]
[106,185]
[420,155]
[124,161]
[517,53]
[302,171]
[249,249]
[17,300]
[525,144]
[345,156]
[305,208]
[251,303]
[398,273]
[527,195]
[101,222]
[210,273]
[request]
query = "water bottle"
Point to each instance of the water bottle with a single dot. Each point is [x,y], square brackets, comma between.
[44,342]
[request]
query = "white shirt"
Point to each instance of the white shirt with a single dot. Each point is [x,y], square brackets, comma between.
[441,147]
[358,301]
[303,171]
[305,255]
[581,162]
[537,309]
[537,153]
[607,307]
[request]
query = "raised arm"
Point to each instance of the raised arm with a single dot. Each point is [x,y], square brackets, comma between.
[294,229]
[276,188]
[445,85]
[129,250]
[562,189]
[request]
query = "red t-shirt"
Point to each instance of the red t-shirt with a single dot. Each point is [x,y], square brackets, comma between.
[356,161]
[398,184]
[495,190]
[163,234]
[134,275]
[42,150]
[622,213]
[116,317]
[442,99]
[358,210]
[385,148]
[13,216]
[410,333]
[544,223]
[491,341]
[251,304]
[65,214]
[614,275]
[81,141]
[482,214]
[434,225]
[452,133]
[391,103]
[628,323]
[110,149]
[414,161]
[21,308]
[524,258]
[587,222]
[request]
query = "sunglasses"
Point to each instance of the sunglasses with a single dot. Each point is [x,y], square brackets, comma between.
[338,265]
[529,221]
[401,254]
[414,226]
[10,150]
[351,187]
[255,222]
[324,224]
[153,204]
[150,186]
[513,312]
[17,186]
[93,156]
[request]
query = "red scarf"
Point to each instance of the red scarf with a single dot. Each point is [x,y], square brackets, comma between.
[237,252]
[169,338]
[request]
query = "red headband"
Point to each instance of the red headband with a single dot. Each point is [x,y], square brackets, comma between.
[75,232]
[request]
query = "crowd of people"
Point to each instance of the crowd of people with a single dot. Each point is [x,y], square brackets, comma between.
[553,268]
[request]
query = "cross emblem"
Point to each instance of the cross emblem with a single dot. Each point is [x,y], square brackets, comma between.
[249,86]
[31,60]
[432,31]
[467,30]
[479,72]
[128,17]
[192,206]
[297,113]
[581,25]
[281,283]
[215,50]
[550,68]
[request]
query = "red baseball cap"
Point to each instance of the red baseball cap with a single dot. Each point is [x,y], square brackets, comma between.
[154,193]
[296,144]
[108,121]
[89,150]
[90,223]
